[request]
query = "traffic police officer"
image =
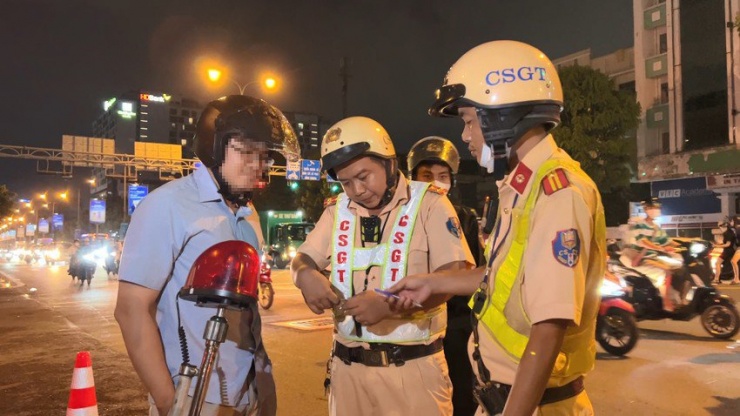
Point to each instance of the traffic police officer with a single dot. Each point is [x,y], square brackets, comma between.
[381,228]
[537,300]
[436,160]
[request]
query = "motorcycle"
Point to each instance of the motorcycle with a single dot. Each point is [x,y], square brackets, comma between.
[110,263]
[266,292]
[692,280]
[82,267]
[616,326]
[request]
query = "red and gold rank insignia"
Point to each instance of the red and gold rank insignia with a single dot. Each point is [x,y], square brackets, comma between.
[555,181]
[331,201]
[437,190]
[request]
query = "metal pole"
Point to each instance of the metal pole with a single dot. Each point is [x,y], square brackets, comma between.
[344,73]
[51,224]
[125,196]
[214,334]
[78,208]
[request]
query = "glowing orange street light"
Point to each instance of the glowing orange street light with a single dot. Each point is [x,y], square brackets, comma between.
[214,74]
[270,83]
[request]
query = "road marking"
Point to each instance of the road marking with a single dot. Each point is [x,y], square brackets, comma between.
[308,324]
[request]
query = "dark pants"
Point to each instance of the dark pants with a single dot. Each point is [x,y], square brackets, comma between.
[461,373]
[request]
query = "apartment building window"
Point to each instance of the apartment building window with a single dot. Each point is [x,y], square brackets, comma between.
[663,92]
[665,142]
[663,43]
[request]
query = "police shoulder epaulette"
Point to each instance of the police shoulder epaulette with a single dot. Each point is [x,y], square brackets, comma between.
[555,181]
[330,201]
[436,190]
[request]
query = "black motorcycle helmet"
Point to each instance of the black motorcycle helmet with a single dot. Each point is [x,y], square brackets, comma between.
[651,203]
[249,118]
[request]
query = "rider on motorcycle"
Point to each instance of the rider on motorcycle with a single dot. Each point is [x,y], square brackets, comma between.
[729,242]
[650,251]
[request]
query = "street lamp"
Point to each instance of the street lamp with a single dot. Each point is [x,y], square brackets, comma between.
[268,82]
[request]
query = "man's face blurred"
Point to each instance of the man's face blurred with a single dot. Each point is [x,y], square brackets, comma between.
[244,165]
[364,180]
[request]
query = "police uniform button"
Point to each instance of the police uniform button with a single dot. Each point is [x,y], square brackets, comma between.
[506,211]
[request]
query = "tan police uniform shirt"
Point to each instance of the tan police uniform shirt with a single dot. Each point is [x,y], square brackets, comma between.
[550,289]
[434,241]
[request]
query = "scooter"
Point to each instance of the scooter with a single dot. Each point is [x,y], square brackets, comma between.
[719,317]
[616,326]
[83,269]
[266,292]
[110,264]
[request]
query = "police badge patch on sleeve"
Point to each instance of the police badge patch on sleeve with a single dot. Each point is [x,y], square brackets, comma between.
[453,226]
[566,247]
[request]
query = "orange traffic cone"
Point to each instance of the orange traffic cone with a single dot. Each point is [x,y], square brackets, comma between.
[82,400]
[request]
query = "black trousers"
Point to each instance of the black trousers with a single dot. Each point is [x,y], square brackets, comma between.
[461,372]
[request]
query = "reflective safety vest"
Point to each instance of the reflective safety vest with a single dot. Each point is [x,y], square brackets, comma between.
[392,257]
[504,316]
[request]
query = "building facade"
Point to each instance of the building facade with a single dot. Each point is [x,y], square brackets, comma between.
[683,70]
[146,116]
[686,71]
[145,124]
[310,129]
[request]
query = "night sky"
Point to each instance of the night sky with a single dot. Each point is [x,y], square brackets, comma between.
[63,58]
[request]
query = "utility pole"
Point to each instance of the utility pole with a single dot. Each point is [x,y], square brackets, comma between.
[344,75]
[79,224]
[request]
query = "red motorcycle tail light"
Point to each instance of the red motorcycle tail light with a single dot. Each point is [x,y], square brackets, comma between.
[226,274]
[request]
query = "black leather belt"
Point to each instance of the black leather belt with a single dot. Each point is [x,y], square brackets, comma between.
[383,355]
[557,394]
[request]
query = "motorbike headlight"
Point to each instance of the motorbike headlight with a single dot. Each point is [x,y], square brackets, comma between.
[89,257]
[697,248]
[54,254]
[609,288]
[670,261]
[291,252]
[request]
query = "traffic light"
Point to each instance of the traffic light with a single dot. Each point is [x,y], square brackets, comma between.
[334,188]
[293,185]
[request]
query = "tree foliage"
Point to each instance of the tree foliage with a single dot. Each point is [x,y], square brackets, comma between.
[596,130]
[277,196]
[311,197]
[7,201]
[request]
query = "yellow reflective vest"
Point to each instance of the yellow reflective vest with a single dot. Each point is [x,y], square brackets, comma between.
[504,316]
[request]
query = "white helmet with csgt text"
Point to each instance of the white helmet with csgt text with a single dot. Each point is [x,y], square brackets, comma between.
[513,87]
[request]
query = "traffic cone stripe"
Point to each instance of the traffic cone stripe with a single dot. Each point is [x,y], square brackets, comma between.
[81,398]
[82,378]
[88,411]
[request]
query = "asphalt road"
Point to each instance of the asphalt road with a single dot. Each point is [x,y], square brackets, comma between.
[676,369]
